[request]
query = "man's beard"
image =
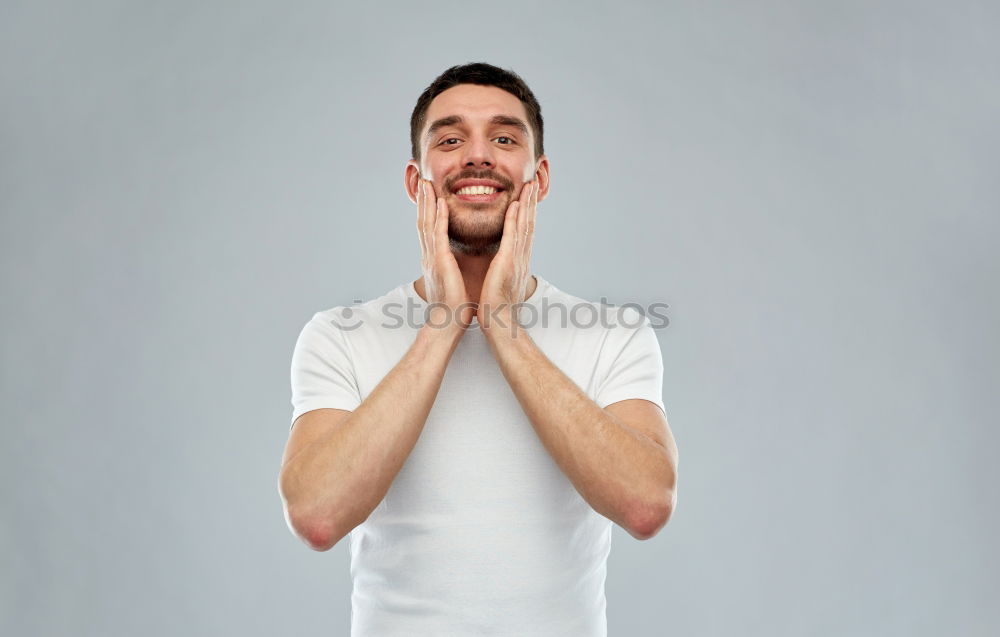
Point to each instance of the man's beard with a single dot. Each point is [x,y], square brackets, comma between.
[476,229]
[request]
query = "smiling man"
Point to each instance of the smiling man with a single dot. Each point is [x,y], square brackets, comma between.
[477,457]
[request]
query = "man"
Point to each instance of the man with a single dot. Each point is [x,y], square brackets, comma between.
[478,456]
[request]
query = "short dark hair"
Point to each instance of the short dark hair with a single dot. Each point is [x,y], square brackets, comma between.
[484,75]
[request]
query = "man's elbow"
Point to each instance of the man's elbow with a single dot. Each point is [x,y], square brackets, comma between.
[646,521]
[318,533]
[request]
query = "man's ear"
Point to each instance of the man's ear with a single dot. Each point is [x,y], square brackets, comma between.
[411,179]
[542,175]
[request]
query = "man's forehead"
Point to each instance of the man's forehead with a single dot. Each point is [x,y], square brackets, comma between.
[474,104]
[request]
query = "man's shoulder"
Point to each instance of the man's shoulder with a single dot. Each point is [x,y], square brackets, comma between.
[390,309]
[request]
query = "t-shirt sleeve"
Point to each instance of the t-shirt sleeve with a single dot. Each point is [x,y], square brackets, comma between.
[322,372]
[636,369]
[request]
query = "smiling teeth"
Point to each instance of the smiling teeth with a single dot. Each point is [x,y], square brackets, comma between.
[476,190]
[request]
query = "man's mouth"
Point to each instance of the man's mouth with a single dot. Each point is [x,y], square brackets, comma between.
[478,193]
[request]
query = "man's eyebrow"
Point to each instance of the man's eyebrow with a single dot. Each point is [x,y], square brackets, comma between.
[438,124]
[507,120]
[496,120]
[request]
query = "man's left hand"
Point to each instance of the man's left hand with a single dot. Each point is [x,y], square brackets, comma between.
[507,280]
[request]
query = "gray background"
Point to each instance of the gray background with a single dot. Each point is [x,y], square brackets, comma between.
[811,187]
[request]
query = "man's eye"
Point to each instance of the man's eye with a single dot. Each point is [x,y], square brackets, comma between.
[450,139]
[507,138]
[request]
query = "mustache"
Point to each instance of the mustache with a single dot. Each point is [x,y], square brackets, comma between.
[505,183]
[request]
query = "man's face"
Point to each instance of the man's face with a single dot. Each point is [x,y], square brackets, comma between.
[473,136]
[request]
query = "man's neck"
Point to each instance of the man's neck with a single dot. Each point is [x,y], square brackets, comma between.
[474,273]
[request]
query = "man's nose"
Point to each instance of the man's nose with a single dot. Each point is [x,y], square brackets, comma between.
[478,153]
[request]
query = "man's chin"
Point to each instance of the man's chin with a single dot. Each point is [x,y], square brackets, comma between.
[475,245]
[485,250]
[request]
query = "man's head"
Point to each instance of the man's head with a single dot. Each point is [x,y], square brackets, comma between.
[483,75]
[477,123]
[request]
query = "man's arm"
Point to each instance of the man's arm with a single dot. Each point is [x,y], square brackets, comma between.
[621,459]
[339,464]
[625,474]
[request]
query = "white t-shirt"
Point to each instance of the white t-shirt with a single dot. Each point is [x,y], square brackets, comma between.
[480,533]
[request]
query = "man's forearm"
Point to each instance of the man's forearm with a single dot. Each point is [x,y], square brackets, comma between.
[337,481]
[619,471]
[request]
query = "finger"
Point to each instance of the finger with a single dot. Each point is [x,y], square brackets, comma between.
[508,239]
[441,225]
[523,210]
[421,215]
[529,236]
[430,214]
[529,223]
[526,227]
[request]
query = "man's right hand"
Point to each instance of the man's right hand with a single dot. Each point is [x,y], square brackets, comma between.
[443,281]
